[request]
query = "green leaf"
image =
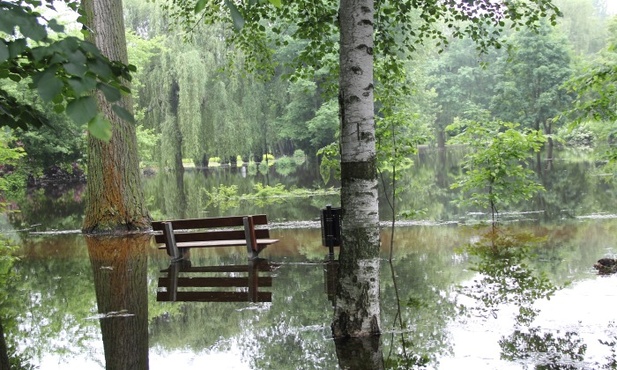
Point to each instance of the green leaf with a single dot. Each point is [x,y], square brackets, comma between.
[276,3]
[49,86]
[81,85]
[123,113]
[82,110]
[75,69]
[201,4]
[111,93]
[237,18]
[17,47]
[100,68]
[14,77]
[76,64]
[6,23]
[55,26]
[58,108]
[31,29]
[100,128]
[4,51]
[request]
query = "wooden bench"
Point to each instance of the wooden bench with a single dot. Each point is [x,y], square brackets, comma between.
[179,236]
[226,283]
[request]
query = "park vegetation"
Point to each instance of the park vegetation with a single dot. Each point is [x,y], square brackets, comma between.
[245,82]
[195,103]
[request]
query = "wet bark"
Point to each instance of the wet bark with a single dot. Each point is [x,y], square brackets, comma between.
[357,307]
[115,200]
[119,266]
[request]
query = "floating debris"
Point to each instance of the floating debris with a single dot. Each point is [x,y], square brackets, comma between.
[111,314]
[606,266]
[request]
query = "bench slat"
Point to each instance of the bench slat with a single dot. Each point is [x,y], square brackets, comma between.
[226,268]
[210,222]
[178,236]
[216,297]
[181,236]
[220,243]
[216,282]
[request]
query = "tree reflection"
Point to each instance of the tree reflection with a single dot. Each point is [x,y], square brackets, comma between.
[11,304]
[119,266]
[547,350]
[359,353]
[611,361]
[506,277]
[422,311]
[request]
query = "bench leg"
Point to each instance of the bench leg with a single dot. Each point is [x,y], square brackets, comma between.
[251,240]
[172,248]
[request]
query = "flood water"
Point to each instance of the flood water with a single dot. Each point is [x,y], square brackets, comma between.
[88,303]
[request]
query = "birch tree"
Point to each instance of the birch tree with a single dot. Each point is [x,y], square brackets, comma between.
[357,300]
[390,30]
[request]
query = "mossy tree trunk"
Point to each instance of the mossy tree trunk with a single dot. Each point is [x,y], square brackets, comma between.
[357,307]
[115,201]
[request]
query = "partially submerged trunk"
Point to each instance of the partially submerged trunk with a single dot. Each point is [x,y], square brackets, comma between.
[115,200]
[119,267]
[357,307]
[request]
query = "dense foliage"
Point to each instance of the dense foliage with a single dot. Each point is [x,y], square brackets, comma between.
[62,69]
[189,108]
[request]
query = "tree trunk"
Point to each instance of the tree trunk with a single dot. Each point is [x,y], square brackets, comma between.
[119,266]
[115,200]
[357,307]
[359,353]
[441,138]
[548,131]
[4,351]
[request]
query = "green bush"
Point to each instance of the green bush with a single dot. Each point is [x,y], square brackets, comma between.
[299,156]
[285,165]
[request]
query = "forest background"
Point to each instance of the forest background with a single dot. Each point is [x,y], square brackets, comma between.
[199,101]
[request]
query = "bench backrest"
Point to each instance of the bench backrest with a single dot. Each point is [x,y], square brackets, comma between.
[211,228]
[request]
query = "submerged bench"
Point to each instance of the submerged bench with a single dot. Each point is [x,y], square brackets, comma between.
[179,236]
[226,283]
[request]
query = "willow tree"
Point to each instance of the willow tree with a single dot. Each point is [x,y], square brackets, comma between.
[115,200]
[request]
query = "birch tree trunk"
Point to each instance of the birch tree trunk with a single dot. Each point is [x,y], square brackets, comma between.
[115,201]
[357,307]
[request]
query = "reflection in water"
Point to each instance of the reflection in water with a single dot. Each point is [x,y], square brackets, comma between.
[293,332]
[330,274]
[213,283]
[359,353]
[507,278]
[545,349]
[119,266]
[503,262]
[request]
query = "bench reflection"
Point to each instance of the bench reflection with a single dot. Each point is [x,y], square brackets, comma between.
[225,283]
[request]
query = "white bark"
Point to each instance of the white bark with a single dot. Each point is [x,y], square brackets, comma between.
[357,307]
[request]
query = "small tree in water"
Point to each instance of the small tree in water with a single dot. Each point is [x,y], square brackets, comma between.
[495,176]
[494,172]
